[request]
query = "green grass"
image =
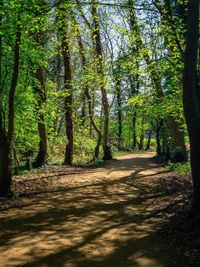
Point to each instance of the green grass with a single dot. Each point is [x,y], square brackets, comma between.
[180,168]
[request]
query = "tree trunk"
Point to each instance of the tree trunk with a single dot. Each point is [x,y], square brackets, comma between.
[166,154]
[148,140]
[141,143]
[178,136]
[134,86]
[99,54]
[93,124]
[5,160]
[134,144]
[42,153]
[158,128]
[119,114]
[83,109]
[11,100]
[5,164]
[191,100]
[6,138]
[68,100]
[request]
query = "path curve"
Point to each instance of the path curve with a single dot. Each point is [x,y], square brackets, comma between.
[99,218]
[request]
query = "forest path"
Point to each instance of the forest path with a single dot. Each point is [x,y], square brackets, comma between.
[99,218]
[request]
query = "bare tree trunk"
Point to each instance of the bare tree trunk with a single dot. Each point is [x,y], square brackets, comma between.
[191,100]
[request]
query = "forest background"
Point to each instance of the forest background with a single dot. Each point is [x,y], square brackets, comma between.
[81,80]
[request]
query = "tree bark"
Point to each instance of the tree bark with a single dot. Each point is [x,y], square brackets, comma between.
[68,100]
[178,137]
[158,128]
[134,91]
[141,143]
[148,146]
[42,153]
[191,100]
[5,162]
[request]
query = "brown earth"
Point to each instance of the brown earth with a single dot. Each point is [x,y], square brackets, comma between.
[96,218]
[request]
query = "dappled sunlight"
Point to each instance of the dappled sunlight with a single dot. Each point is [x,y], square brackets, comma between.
[100,222]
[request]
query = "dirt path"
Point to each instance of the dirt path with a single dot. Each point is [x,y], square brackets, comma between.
[98,218]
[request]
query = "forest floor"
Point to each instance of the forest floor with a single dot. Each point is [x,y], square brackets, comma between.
[127,213]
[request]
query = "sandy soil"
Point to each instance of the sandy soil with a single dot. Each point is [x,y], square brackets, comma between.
[99,217]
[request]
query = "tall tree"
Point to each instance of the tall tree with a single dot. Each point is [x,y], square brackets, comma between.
[39,38]
[6,135]
[99,56]
[65,43]
[41,98]
[88,95]
[191,100]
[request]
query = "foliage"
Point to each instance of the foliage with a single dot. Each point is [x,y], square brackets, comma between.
[180,168]
[140,51]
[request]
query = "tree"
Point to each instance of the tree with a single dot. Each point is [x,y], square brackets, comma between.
[64,28]
[99,56]
[39,38]
[6,135]
[191,101]
[180,154]
[88,95]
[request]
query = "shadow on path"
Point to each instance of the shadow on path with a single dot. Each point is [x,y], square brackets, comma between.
[98,218]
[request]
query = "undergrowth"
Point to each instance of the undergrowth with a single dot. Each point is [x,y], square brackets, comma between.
[180,168]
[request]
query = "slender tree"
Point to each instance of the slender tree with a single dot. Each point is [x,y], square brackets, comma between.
[41,98]
[88,95]
[39,37]
[6,135]
[99,56]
